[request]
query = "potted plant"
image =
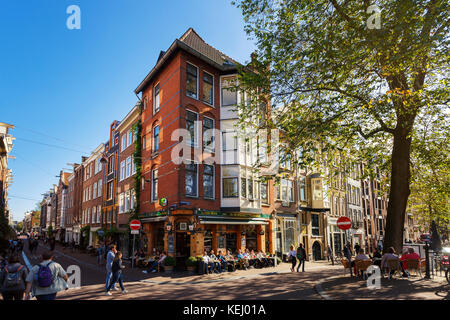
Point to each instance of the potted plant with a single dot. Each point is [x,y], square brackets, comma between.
[169,263]
[191,264]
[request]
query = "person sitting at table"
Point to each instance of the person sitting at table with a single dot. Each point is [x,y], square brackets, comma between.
[409,255]
[231,262]
[388,256]
[159,262]
[361,257]
[376,257]
[242,261]
[261,260]
[217,268]
[222,261]
[252,258]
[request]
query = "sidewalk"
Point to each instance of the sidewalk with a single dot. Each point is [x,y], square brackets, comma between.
[136,274]
[345,288]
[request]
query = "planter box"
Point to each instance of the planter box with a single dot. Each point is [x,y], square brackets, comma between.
[168,268]
[192,269]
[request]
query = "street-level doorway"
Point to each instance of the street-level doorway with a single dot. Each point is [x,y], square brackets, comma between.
[317,251]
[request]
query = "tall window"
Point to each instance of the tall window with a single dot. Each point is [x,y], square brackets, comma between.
[128,167]
[229,94]
[111,164]
[94,213]
[109,194]
[291,190]
[230,188]
[100,188]
[302,185]
[191,81]
[127,200]
[191,118]
[122,170]
[99,213]
[264,192]
[229,139]
[208,88]
[124,143]
[156,99]
[208,181]
[94,193]
[208,134]
[243,187]
[250,189]
[121,202]
[130,138]
[133,166]
[155,138]
[155,185]
[315,224]
[191,179]
[132,199]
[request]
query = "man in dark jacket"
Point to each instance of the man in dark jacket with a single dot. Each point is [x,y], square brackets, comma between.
[12,279]
[301,255]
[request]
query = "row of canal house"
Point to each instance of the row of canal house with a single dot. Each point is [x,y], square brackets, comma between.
[196,205]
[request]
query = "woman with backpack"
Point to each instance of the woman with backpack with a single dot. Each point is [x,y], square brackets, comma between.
[12,279]
[292,256]
[116,274]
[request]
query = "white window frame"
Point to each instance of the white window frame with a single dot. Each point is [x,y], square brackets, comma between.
[210,149]
[129,162]
[153,185]
[123,170]
[154,98]
[124,143]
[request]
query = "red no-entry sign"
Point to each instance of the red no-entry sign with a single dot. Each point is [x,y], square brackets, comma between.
[344,223]
[135,225]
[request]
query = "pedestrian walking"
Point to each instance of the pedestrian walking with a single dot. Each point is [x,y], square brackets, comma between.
[301,255]
[357,248]
[292,256]
[100,254]
[117,275]
[13,279]
[109,262]
[330,254]
[46,279]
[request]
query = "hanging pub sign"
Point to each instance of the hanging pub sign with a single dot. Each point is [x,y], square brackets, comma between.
[163,202]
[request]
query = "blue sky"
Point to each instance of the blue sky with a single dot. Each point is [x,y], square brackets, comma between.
[64,87]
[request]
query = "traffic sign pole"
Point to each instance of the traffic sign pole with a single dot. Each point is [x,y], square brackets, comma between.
[132,259]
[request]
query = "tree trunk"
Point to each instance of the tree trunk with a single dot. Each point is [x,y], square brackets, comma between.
[399,191]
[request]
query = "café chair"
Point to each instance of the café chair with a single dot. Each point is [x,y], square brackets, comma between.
[346,265]
[363,265]
[413,264]
[393,265]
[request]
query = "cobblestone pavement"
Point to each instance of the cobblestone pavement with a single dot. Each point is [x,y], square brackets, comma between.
[414,288]
[320,281]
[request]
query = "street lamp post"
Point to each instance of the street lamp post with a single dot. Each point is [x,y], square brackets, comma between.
[427,261]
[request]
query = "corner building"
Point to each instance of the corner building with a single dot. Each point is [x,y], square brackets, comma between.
[204,210]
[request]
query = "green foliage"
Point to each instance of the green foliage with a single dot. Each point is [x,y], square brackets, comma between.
[192,261]
[335,84]
[50,231]
[137,156]
[170,261]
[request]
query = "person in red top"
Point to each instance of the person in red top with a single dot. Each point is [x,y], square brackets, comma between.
[411,255]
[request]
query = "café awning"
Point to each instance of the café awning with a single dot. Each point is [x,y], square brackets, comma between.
[155,219]
[220,220]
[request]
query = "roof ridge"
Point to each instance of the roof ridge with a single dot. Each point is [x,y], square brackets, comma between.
[184,36]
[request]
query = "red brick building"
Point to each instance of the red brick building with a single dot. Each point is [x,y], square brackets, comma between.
[183,91]
[126,195]
[92,199]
